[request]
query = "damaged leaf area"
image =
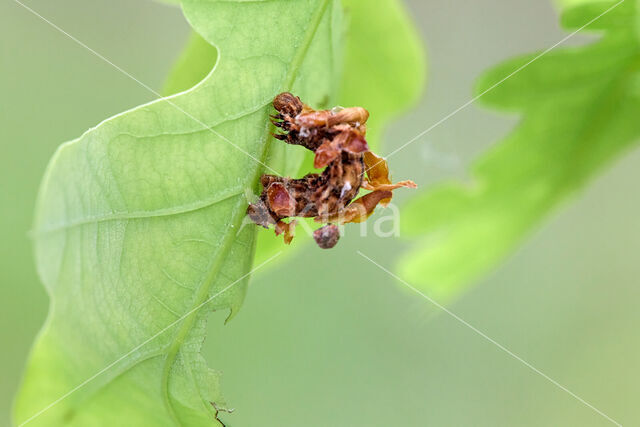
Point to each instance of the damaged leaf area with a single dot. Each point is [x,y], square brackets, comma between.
[337,139]
[138,228]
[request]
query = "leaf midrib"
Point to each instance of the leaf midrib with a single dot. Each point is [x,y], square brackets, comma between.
[236,221]
[170,211]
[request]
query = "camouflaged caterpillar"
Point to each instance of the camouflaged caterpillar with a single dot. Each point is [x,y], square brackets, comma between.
[337,137]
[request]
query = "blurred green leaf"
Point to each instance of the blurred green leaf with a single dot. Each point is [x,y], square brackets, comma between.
[384,65]
[580,109]
[139,223]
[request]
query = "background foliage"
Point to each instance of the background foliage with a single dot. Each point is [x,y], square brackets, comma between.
[579,107]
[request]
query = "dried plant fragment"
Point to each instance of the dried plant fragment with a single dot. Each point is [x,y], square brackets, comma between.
[337,137]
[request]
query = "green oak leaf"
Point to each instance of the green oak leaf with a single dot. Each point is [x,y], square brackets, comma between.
[387,77]
[580,109]
[139,228]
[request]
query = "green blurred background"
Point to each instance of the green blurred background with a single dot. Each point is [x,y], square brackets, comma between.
[328,339]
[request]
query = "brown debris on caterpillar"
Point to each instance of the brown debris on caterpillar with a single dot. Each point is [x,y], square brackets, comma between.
[327,237]
[337,137]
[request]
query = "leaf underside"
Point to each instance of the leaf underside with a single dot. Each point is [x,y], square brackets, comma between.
[140,220]
[580,109]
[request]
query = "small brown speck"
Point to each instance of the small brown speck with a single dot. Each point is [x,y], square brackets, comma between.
[327,237]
